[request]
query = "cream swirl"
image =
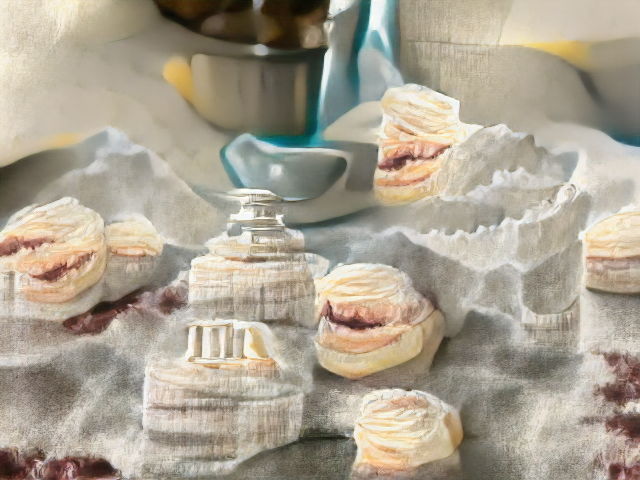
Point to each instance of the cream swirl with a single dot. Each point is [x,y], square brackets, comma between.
[59,248]
[414,110]
[61,221]
[400,429]
[135,237]
[371,293]
[615,237]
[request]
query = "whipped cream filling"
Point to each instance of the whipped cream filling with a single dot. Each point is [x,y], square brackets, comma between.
[615,237]
[418,124]
[362,307]
[133,237]
[57,222]
[403,429]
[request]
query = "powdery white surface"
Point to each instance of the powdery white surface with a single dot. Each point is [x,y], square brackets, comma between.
[503,385]
[520,405]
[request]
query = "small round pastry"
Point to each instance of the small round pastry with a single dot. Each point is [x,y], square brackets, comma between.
[134,247]
[401,430]
[371,318]
[419,127]
[58,251]
[613,254]
[134,237]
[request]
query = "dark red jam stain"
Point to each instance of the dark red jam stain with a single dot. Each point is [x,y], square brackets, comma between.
[624,366]
[16,466]
[354,323]
[13,245]
[72,468]
[172,298]
[627,385]
[620,392]
[100,317]
[627,424]
[619,471]
[12,465]
[61,270]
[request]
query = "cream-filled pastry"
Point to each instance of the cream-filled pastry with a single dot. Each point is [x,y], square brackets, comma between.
[134,237]
[57,251]
[401,430]
[371,318]
[613,254]
[419,127]
[134,247]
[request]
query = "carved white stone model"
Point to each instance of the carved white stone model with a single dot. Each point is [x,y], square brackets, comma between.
[224,402]
[256,270]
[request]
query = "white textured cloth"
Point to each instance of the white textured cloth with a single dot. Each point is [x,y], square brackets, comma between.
[77,66]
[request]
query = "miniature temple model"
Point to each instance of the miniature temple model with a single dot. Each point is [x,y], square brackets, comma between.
[256,270]
[225,401]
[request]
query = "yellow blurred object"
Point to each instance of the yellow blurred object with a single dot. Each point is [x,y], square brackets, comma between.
[177,72]
[52,142]
[576,53]
[61,140]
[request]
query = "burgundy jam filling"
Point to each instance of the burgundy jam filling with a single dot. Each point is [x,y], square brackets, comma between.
[399,162]
[627,424]
[100,317]
[61,270]
[353,323]
[13,245]
[395,163]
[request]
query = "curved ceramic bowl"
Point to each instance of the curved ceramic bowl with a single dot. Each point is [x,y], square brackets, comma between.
[291,173]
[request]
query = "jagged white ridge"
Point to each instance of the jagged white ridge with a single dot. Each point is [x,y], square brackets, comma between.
[494,266]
